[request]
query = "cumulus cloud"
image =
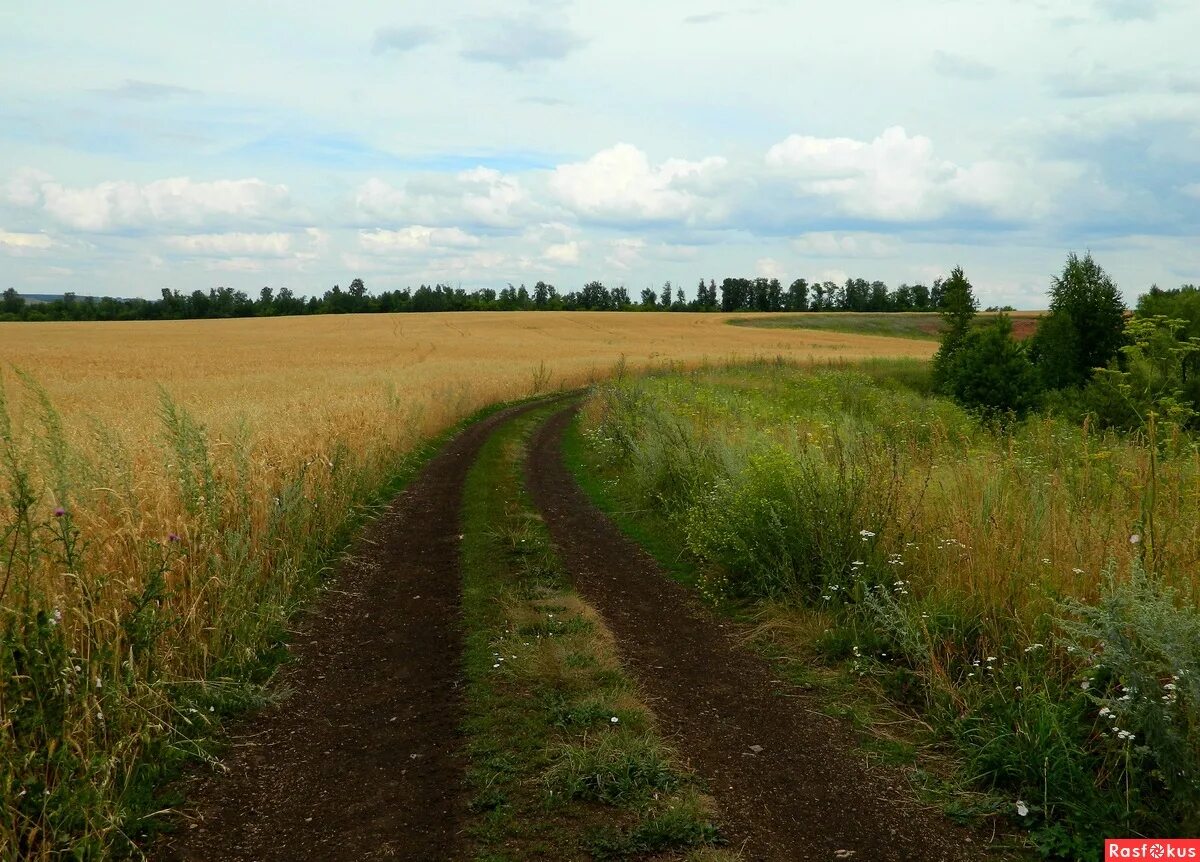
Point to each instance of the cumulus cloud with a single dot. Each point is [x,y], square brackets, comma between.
[478,196]
[18,243]
[516,42]
[179,201]
[415,238]
[222,244]
[896,177]
[620,184]
[768,267]
[562,252]
[399,40]
[626,252]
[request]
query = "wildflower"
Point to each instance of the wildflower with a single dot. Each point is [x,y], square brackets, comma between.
[173,537]
[1032,647]
[59,512]
[1077,571]
[1105,711]
[858,563]
[56,617]
[1022,808]
[866,534]
[614,720]
[1086,684]
[1134,539]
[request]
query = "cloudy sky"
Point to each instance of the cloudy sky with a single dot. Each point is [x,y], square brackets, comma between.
[188,145]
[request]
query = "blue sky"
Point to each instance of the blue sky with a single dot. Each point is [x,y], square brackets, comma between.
[304,144]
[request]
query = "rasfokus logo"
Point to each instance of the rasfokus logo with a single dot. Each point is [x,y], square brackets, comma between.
[1152,848]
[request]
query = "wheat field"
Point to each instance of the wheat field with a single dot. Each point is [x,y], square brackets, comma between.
[292,376]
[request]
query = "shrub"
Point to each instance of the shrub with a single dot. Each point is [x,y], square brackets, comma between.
[990,371]
[1143,640]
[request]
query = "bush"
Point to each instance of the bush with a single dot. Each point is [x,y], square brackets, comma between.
[1157,374]
[1144,680]
[990,372]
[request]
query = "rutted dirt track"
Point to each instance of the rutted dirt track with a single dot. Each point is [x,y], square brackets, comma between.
[804,795]
[363,760]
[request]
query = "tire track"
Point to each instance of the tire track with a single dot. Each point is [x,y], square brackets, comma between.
[786,779]
[363,761]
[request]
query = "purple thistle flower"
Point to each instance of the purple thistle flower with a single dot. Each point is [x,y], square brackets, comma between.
[173,537]
[59,512]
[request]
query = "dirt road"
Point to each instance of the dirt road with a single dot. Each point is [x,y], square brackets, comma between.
[364,759]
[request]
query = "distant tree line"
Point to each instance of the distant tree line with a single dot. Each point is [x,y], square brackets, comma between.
[1090,357]
[733,295]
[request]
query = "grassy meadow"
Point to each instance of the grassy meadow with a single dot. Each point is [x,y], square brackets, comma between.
[922,325]
[170,492]
[1023,598]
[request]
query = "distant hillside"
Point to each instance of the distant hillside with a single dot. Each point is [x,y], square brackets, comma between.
[37,298]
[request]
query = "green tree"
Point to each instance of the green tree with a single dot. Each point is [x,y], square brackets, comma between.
[1090,328]
[958,308]
[12,302]
[990,371]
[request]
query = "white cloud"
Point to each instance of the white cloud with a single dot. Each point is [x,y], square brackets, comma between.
[119,204]
[620,184]
[24,242]
[768,267]
[895,177]
[1192,189]
[562,252]
[849,245]
[626,252]
[251,244]
[415,238]
[478,196]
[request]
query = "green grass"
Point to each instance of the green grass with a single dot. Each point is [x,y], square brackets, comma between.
[921,325]
[564,761]
[979,585]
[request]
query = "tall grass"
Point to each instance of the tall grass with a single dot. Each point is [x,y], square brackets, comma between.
[132,620]
[1030,591]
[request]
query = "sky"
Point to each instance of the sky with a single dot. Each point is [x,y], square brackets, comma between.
[189,145]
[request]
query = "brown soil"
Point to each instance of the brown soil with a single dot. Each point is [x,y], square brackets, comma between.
[786,778]
[363,760]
